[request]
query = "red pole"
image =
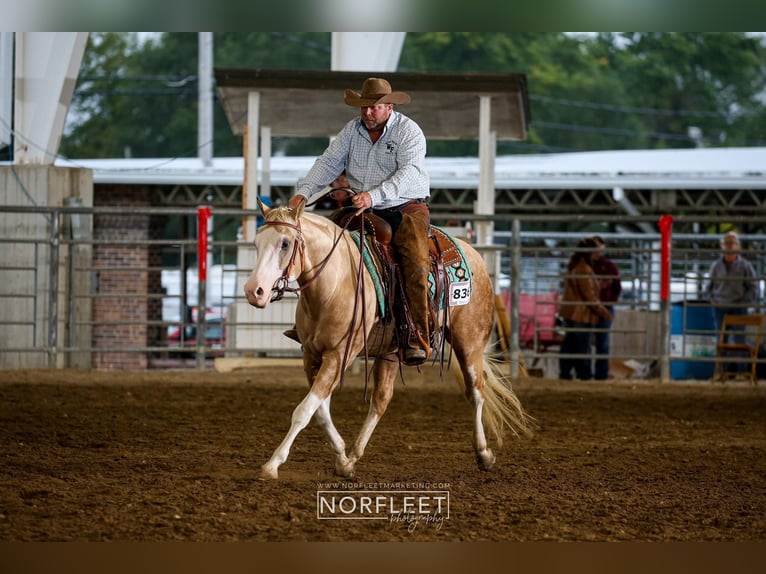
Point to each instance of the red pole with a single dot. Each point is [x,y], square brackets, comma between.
[666,232]
[203,214]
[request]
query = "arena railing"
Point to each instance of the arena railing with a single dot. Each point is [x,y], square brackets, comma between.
[115,288]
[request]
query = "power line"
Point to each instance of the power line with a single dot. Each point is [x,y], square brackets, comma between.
[625,109]
[621,132]
[609,131]
[26,140]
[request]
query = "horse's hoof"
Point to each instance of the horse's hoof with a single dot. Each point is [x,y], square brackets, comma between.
[485,459]
[345,470]
[268,473]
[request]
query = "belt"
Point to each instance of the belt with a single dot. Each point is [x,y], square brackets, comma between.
[401,205]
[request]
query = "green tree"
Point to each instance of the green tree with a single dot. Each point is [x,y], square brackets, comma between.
[141,99]
[563,75]
[608,91]
[710,81]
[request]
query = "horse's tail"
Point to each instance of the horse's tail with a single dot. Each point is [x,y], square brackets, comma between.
[502,408]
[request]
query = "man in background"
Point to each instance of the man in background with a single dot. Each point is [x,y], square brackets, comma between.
[731,288]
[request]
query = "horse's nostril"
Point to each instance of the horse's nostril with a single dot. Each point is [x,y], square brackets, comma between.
[259,291]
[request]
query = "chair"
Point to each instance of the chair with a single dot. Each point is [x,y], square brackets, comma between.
[537,316]
[751,328]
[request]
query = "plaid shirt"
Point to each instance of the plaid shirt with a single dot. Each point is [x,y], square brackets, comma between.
[392,169]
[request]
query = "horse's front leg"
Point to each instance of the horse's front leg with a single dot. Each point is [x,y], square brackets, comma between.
[384,374]
[301,417]
[317,401]
[324,420]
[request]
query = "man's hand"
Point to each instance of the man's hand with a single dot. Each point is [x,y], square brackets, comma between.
[361,201]
[295,201]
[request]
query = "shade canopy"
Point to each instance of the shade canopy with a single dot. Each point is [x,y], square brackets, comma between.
[304,103]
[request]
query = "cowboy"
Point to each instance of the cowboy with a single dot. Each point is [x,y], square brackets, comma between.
[383,153]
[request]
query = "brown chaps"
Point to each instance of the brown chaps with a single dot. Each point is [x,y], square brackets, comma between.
[411,251]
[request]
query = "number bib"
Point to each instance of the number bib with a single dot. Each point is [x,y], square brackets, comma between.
[459,293]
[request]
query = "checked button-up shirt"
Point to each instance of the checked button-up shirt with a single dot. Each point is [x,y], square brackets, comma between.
[392,169]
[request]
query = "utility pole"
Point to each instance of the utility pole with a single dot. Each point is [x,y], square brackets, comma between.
[205,103]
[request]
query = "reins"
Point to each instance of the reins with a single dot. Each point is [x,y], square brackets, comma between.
[281,285]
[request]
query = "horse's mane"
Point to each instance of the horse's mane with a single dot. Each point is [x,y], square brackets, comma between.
[286,214]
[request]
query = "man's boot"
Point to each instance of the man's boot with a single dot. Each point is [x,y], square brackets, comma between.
[292,333]
[411,246]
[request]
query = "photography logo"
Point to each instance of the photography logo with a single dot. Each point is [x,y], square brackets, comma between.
[407,507]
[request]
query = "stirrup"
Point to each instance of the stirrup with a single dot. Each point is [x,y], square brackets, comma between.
[416,352]
[413,356]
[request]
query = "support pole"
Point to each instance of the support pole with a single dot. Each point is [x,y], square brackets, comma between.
[516,358]
[203,215]
[485,202]
[53,292]
[205,95]
[666,233]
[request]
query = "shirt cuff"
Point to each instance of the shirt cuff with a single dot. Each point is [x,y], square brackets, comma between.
[375,196]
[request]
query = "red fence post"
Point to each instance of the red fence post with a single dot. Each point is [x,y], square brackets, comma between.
[666,229]
[666,232]
[203,215]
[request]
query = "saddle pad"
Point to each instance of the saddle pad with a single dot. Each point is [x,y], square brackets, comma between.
[373,269]
[453,258]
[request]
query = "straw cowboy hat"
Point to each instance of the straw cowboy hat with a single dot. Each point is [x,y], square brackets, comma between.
[375,91]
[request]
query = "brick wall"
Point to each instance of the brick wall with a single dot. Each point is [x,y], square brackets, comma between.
[121,309]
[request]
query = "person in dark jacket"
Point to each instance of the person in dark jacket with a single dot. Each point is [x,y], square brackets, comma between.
[580,310]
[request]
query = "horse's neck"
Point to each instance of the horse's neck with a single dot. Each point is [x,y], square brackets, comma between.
[333,273]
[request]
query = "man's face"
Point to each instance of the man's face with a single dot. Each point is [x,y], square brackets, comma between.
[375,117]
[730,246]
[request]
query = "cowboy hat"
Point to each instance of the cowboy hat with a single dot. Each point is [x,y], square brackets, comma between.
[375,91]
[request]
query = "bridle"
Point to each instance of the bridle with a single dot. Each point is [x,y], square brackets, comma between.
[281,286]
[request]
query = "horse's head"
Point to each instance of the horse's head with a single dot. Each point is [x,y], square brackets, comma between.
[278,243]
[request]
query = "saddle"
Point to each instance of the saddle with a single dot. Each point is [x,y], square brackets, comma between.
[446,261]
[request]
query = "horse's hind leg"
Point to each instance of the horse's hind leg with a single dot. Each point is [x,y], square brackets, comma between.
[385,370]
[472,369]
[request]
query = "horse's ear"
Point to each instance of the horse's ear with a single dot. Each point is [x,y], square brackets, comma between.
[262,206]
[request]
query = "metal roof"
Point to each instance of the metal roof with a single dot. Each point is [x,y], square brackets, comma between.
[716,168]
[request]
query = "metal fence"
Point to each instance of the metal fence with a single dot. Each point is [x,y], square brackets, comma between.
[116,288]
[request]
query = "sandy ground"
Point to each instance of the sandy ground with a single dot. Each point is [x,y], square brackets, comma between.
[156,456]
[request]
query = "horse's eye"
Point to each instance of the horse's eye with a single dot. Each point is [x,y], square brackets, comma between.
[285,244]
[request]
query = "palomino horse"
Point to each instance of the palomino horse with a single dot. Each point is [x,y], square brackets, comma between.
[335,321]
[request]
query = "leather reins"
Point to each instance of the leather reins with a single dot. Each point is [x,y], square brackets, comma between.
[281,285]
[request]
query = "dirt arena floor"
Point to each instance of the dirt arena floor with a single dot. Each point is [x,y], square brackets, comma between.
[159,456]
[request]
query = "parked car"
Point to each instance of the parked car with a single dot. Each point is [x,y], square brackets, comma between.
[186,338]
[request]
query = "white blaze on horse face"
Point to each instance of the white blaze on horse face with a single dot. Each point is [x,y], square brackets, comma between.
[274,250]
